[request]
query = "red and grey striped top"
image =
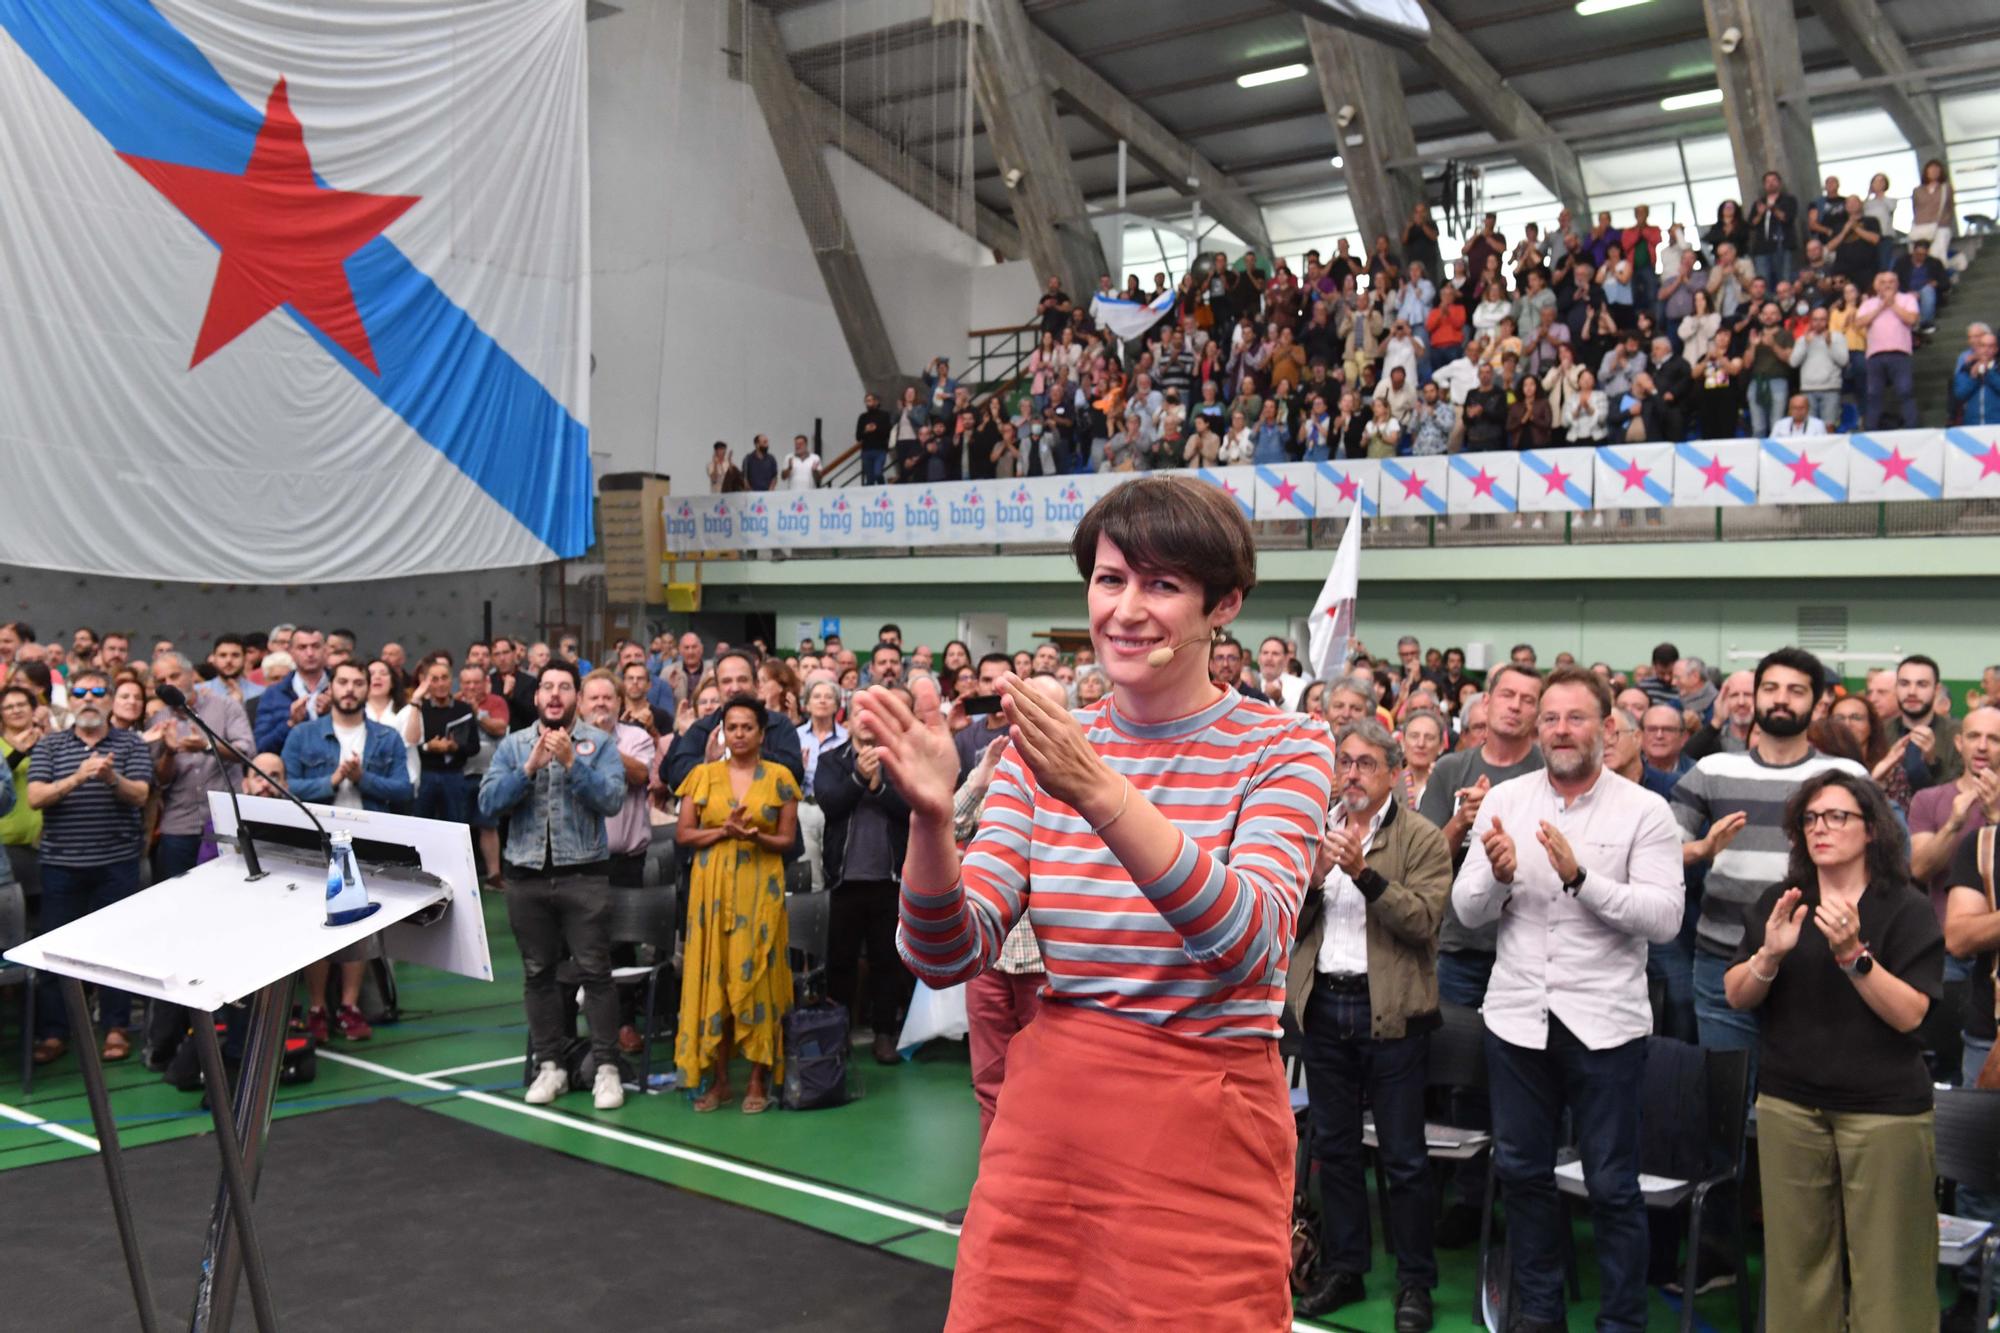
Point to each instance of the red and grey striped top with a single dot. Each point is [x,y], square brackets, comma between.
[1199,951]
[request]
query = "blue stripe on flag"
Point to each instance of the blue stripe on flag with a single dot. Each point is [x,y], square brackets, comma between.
[1739,489]
[1658,493]
[1921,482]
[151,93]
[1965,444]
[1277,483]
[1833,489]
[1217,482]
[1542,467]
[1471,474]
[1397,473]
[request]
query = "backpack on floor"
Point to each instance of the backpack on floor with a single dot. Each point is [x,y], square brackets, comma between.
[816,1047]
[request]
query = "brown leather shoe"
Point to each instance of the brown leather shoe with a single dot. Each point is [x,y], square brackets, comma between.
[50,1049]
[117,1046]
[629,1040]
[885,1050]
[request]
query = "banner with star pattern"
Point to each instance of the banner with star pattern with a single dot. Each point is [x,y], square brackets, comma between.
[1823,469]
[293,293]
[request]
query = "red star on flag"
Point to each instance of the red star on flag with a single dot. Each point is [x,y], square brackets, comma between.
[1803,469]
[1350,489]
[1413,487]
[1635,476]
[1989,462]
[284,237]
[1715,472]
[1896,467]
[1483,484]
[1286,491]
[1556,478]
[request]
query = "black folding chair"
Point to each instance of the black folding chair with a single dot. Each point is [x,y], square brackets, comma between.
[809,919]
[1968,1155]
[645,916]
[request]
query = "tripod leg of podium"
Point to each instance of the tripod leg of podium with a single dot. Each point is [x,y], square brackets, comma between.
[234,1178]
[257,1084]
[85,1038]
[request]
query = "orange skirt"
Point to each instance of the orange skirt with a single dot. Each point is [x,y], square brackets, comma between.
[1133,1178]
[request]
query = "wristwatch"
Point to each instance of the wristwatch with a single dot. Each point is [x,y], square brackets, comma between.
[1860,965]
[1574,884]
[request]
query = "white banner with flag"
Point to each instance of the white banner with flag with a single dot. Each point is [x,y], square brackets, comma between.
[1554,480]
[1896,465]
[1287,490]
[1414,486]
[1129,321]
[313,278]
[1238,483]
[1972,462]
[1633,476]
[1347,486]
[1803,471]
[1483,483]
[1722,473]
[1330,626]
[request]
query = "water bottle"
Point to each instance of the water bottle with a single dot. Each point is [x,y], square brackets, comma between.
[346,894]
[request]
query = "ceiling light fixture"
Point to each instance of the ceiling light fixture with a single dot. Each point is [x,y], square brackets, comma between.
[1278,75]
[1589,7]
[1687,101]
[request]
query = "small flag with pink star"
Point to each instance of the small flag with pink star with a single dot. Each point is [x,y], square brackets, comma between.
[1896,465]
[1633,476]
[1721,473]
[1808,470]
[1414,486]
[1555,480]
[1286,490]
[1972,462]
[1483,483]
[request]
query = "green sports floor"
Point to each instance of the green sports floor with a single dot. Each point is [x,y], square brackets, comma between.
[881,1171]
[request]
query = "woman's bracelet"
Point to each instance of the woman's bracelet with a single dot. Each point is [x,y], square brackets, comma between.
[1759,975]
[1123,801]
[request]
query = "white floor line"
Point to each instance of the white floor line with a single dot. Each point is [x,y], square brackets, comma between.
[63,1132]
[756,1173]
[472,1069]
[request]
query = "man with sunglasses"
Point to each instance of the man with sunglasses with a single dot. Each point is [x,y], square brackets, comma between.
[90,784]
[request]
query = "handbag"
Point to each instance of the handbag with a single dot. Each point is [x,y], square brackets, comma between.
[1989,1073]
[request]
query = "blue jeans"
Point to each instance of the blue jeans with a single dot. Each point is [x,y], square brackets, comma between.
[1824,404]
[1343,1065]
[176,854]
[444,794]
[1767,404]
[1927,304]
[69,892]
[1601,1090]
[1886,373]
[872,463]
[1672,964]
[1775,267]
[1719,1027]
[1462,977]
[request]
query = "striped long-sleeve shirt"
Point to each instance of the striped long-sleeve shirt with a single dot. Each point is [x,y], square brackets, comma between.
[1202,949]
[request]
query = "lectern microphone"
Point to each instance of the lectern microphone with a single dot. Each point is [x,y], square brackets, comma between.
[174,699]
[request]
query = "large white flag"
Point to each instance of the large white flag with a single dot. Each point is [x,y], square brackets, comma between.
[1330,627]
[1130,320]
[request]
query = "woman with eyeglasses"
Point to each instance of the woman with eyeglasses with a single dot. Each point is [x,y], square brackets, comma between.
[1842,959]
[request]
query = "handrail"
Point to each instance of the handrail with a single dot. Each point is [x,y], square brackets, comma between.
[1004,328]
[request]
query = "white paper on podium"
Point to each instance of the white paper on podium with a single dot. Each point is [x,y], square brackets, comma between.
[209,937]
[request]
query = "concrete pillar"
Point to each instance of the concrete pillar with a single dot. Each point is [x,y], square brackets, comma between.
[1757,65]
[1357,78]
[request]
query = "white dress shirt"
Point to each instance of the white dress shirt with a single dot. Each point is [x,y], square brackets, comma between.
[1285,691]
[1343,945]
[1581,959]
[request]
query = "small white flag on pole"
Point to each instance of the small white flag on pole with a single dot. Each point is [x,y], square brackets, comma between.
[1330,627]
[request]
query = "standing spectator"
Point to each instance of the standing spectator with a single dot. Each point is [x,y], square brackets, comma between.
[1841,959]
[760,469]
[723,476]
[1433,422]
[1579,869]
[1934,211]
[702,742]
[1975,387]
[190,768]
[1856,246]
[867,830]
[228,657]
[449,735]
[1921,275]
[1820,357]
[90,784]
[743,812]
[803,467]
[514,683]
[871,433]
[1486,413]
[1768,367]
[297,697]
[1930,757]
[628,833]
[1774,231]
[1362,986]
[556,781]
[20,827]
[490,710]
[388,703]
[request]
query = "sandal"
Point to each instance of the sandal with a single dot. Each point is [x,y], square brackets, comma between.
[714,1097]
[50,1049]
[756,1103]
[117,1046]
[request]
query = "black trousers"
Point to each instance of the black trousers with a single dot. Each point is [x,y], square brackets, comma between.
[862,916]
[551,916]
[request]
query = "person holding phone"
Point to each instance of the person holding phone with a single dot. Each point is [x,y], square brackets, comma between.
[988,722]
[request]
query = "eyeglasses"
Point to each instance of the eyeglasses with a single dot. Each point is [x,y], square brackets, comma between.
[94,692]
[1363,764]
[1833,819]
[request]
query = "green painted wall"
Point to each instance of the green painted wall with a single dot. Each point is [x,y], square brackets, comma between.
[1709,599]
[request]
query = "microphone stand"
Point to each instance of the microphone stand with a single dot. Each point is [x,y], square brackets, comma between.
[180,703]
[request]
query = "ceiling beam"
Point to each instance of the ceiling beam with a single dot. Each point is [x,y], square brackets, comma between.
[1864,36]
[1370,119]
[1764,98]
[1176,162]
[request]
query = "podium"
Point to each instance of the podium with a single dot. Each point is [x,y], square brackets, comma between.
[211,937]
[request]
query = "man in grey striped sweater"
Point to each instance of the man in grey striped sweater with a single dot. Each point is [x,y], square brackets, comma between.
[1731,813]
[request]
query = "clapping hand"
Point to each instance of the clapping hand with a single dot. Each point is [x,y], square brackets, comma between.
[1055,748]
[1722,833]
[914,745]
[1344,850]
[1781,931]
[1841,927]
[1500,853]
[1561,858]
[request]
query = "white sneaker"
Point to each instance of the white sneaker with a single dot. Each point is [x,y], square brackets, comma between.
[607,1093]
[550,1083]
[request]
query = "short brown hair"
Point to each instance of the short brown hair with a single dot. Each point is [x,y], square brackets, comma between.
[1173,525]
[1574,675]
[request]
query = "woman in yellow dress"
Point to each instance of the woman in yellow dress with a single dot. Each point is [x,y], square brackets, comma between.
[738,816]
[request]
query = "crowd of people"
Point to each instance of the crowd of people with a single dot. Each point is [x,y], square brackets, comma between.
[1786,317]
[1786,867]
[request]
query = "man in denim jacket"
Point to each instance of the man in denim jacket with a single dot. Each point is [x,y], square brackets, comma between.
[325,761]
[555,782]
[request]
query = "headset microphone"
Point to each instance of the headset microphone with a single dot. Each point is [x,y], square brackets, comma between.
[1159,657]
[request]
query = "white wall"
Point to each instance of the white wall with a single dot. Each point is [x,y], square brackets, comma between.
[710,320]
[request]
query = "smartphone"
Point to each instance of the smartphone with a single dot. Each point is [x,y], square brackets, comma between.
[979,705]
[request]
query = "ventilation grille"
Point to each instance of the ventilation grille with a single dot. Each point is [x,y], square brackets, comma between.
[1822,629]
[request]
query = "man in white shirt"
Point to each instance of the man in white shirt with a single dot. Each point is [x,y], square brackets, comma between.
[1798,420]
[802,468]
[1582,868]
[1280,686]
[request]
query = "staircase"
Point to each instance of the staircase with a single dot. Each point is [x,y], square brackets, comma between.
[1975,295]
